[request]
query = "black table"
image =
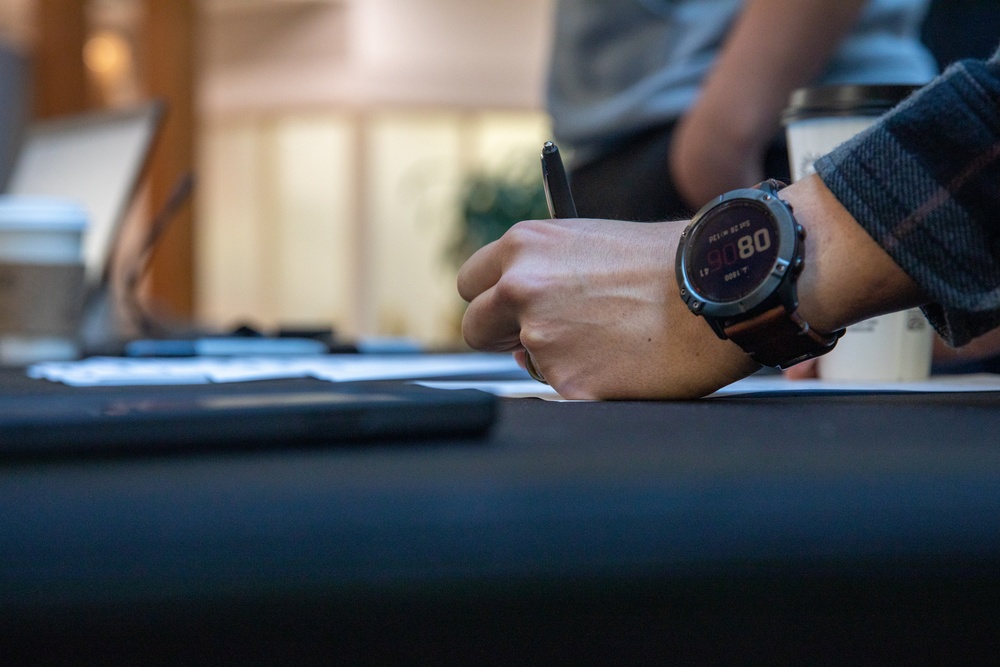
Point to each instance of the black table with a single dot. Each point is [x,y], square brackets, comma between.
[790,529]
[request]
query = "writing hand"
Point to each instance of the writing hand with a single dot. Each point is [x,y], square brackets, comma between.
[596,304]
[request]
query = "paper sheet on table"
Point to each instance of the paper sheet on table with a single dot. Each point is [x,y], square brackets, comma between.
[935,384]
[762,384]
[118,371]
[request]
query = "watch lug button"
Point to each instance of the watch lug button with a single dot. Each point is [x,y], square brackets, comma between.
[800,230]
[797,266]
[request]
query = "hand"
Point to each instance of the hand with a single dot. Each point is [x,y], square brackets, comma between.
[596,304]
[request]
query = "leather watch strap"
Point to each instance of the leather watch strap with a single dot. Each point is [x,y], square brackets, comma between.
[780,338]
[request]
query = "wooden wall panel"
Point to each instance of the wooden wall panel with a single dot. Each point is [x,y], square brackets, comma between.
[166,53]
[167,61]
[60,82]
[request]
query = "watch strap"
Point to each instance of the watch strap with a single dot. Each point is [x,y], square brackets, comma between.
[777,337]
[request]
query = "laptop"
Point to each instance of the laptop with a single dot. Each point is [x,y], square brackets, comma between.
[130,421]
[96,159]
[14,91]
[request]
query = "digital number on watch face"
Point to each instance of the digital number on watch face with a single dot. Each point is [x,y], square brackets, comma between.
[732,251]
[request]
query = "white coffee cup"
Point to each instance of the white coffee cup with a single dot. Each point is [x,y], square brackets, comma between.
[41,278]
[893,347]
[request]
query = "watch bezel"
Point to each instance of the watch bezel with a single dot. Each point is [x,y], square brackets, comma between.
[779,279]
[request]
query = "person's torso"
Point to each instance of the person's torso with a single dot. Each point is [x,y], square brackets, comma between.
[621,66]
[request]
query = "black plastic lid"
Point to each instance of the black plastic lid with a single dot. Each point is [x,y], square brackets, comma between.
[844,100]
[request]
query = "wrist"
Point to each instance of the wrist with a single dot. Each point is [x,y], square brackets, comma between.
[847,276]
[738,265]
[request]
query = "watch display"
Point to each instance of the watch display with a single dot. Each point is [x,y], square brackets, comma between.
[732,251]
[737,266]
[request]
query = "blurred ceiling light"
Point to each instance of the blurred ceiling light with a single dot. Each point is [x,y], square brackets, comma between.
[107,54]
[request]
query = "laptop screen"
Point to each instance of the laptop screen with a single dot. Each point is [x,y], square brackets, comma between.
[95,159]
[14,89]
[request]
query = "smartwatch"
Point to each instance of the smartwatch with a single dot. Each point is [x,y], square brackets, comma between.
[737,266]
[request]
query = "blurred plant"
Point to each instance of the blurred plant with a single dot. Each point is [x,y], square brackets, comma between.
[490,203]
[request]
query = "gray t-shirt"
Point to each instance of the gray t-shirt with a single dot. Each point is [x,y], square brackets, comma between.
[619,67]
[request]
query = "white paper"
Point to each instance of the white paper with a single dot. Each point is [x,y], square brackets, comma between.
[764,384]
[506,388]
[118,371]
[777,384]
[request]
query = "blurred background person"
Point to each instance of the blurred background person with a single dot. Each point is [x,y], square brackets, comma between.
[663,104]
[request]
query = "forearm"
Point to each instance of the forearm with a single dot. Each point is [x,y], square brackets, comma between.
[775,47]
[924,183]
[847,277]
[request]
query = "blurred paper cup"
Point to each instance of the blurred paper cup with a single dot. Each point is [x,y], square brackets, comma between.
[41,279]
[894,347]
[819,119]
[889,348]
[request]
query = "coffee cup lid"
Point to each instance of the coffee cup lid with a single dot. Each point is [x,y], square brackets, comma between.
[844,100]
[22,213]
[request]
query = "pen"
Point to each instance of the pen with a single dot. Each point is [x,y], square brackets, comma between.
[557,193]
[561,205]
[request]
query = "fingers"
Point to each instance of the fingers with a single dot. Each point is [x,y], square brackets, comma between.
[529,244]
[491,323]
[480,272]
[494,281]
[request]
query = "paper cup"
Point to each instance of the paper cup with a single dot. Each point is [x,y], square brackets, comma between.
[41,279]
[890,348]
[819,119]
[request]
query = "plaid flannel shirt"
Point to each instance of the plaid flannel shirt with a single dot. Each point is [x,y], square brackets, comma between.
[924,182]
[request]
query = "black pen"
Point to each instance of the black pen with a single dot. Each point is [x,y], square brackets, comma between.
[561,205]
[557,193]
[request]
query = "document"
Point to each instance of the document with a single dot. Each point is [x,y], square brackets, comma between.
[494,373]
[757,385]
[123,371]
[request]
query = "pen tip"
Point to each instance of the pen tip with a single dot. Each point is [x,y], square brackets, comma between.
[549,147]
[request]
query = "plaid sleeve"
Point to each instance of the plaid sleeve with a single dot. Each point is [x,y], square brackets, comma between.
[924,182]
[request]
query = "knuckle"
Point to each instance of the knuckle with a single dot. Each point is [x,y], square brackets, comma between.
[532,339]
[511,291]
[524,234]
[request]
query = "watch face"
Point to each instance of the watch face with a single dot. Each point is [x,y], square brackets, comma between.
[732,251]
